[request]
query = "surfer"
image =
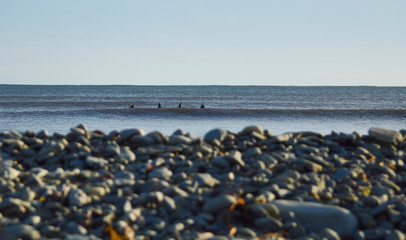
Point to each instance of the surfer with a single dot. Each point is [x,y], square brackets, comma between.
[202,106]
[132,106]
[159,105]
[180,104]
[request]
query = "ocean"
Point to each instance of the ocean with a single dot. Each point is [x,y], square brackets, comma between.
[279,109]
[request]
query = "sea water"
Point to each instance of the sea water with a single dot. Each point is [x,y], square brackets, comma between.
[279,109]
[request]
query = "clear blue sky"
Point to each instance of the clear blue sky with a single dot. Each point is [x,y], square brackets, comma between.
[262,42]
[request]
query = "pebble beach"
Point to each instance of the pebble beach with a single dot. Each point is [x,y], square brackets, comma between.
[253,184]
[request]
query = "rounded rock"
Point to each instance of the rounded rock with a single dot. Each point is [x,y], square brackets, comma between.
[317,216]
[161,173]
[219,203]
[215,134]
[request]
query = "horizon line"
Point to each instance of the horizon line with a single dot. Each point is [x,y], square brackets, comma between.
[192,85]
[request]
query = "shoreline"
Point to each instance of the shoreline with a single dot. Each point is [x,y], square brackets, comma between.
[252,184]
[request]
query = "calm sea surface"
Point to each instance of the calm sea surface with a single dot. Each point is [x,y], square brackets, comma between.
[279,109]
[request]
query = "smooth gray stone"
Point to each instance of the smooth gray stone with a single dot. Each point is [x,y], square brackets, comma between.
[51,147]
[85,128]
[219,203]
[385,169]
[159,161]
[111,150]
[19,231]
[14,143]
[179,139]
[329,234]
[371,201]
[40,172]
[179,132]
[32,220]
[388,183]
[50,231]
[235,157]
[245,232]
[14,206]
[252,152]
[112,135]
[217,133]
[76,132]
[161,173]
[251,129]
[220,162]
[157,136]
[128,133]
[319,160]
[75,228]
[151,150]
[386,135]
[317,216]
[311,166]
[172,191]
[280,138]
[97,191]
[96,162]
[122,182]
[77,197]
[380,190]
[140,140]
[127,154]
[205,179]
[10,173]
[263,210]
[155,197]
[268,224]
[43,134]
[34,180]
[169,204]
[176,227]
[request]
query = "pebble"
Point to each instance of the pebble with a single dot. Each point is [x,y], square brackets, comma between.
[302,185]
[96,162]
[160,173]
[20,231]
[386,135]
[220,162]
[215,134]
[128,133]
[317,216]
[268,224]
[216,204]
[78,197]
[205,179]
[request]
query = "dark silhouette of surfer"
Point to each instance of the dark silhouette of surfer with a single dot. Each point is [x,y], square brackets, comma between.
[180,104]
[159,105]
[132,106]
[202,106]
